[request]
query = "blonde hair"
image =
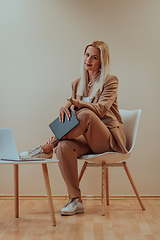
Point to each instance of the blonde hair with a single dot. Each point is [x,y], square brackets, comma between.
[104,70]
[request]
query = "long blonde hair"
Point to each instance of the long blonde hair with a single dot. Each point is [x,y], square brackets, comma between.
[104,70]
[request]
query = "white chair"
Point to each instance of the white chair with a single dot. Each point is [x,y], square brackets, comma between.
[113,159]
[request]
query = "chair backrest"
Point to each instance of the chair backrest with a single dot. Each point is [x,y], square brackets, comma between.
[130,120]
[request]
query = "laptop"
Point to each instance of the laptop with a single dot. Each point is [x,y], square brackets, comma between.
[62,128]
[8,149]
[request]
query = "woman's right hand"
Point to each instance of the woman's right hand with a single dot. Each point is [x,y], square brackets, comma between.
[65,110]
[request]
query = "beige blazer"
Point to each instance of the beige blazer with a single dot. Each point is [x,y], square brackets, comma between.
[105,106]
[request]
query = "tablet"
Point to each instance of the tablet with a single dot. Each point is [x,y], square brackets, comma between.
[62,128]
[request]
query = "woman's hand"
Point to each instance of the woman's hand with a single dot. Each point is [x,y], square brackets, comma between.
[50,140]
[65,110]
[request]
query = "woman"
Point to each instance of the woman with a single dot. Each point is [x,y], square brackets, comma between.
[100,128]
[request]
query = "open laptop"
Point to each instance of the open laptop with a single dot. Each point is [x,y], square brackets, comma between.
[8,149]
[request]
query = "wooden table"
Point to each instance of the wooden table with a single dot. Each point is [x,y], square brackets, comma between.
[46,179]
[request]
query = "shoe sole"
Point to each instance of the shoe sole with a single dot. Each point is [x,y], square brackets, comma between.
[71,213]
[40,155]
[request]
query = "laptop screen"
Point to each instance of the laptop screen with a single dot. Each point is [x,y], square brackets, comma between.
[8,149]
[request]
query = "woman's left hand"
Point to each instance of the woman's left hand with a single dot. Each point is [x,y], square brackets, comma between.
[50,140]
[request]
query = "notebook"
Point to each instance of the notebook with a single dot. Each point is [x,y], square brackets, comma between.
[8,149]
[62,128]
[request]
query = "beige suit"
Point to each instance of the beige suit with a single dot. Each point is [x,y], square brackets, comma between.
[100,130]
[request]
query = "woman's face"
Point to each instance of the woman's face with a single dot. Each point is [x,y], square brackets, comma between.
[92,59]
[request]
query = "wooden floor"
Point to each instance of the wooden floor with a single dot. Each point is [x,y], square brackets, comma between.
[124,220]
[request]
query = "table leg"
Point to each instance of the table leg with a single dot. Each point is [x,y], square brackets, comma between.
[16,190]
[48,189]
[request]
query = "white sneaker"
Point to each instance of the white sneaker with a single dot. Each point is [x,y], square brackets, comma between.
[72,207]
[36,152]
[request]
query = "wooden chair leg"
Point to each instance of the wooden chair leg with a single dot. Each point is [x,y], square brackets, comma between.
[49,195]
[103,187]
[133,185]
[82,171]
[107,187]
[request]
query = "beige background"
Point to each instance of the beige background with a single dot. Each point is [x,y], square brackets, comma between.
[41,45]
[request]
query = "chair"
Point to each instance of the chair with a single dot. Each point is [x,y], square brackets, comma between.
[113,159]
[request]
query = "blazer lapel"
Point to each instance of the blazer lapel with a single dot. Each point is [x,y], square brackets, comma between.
[96,98]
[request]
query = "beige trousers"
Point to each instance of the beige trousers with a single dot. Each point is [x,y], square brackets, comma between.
[90,135]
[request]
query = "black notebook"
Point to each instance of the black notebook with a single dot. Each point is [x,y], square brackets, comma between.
[62,128]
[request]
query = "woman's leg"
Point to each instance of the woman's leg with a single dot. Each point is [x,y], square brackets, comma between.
[67,152]
[97,135]
[92,128]
[90,135]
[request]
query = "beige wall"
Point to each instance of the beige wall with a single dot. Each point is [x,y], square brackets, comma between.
[40,54]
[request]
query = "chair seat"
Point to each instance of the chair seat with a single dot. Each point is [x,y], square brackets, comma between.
[107,157]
